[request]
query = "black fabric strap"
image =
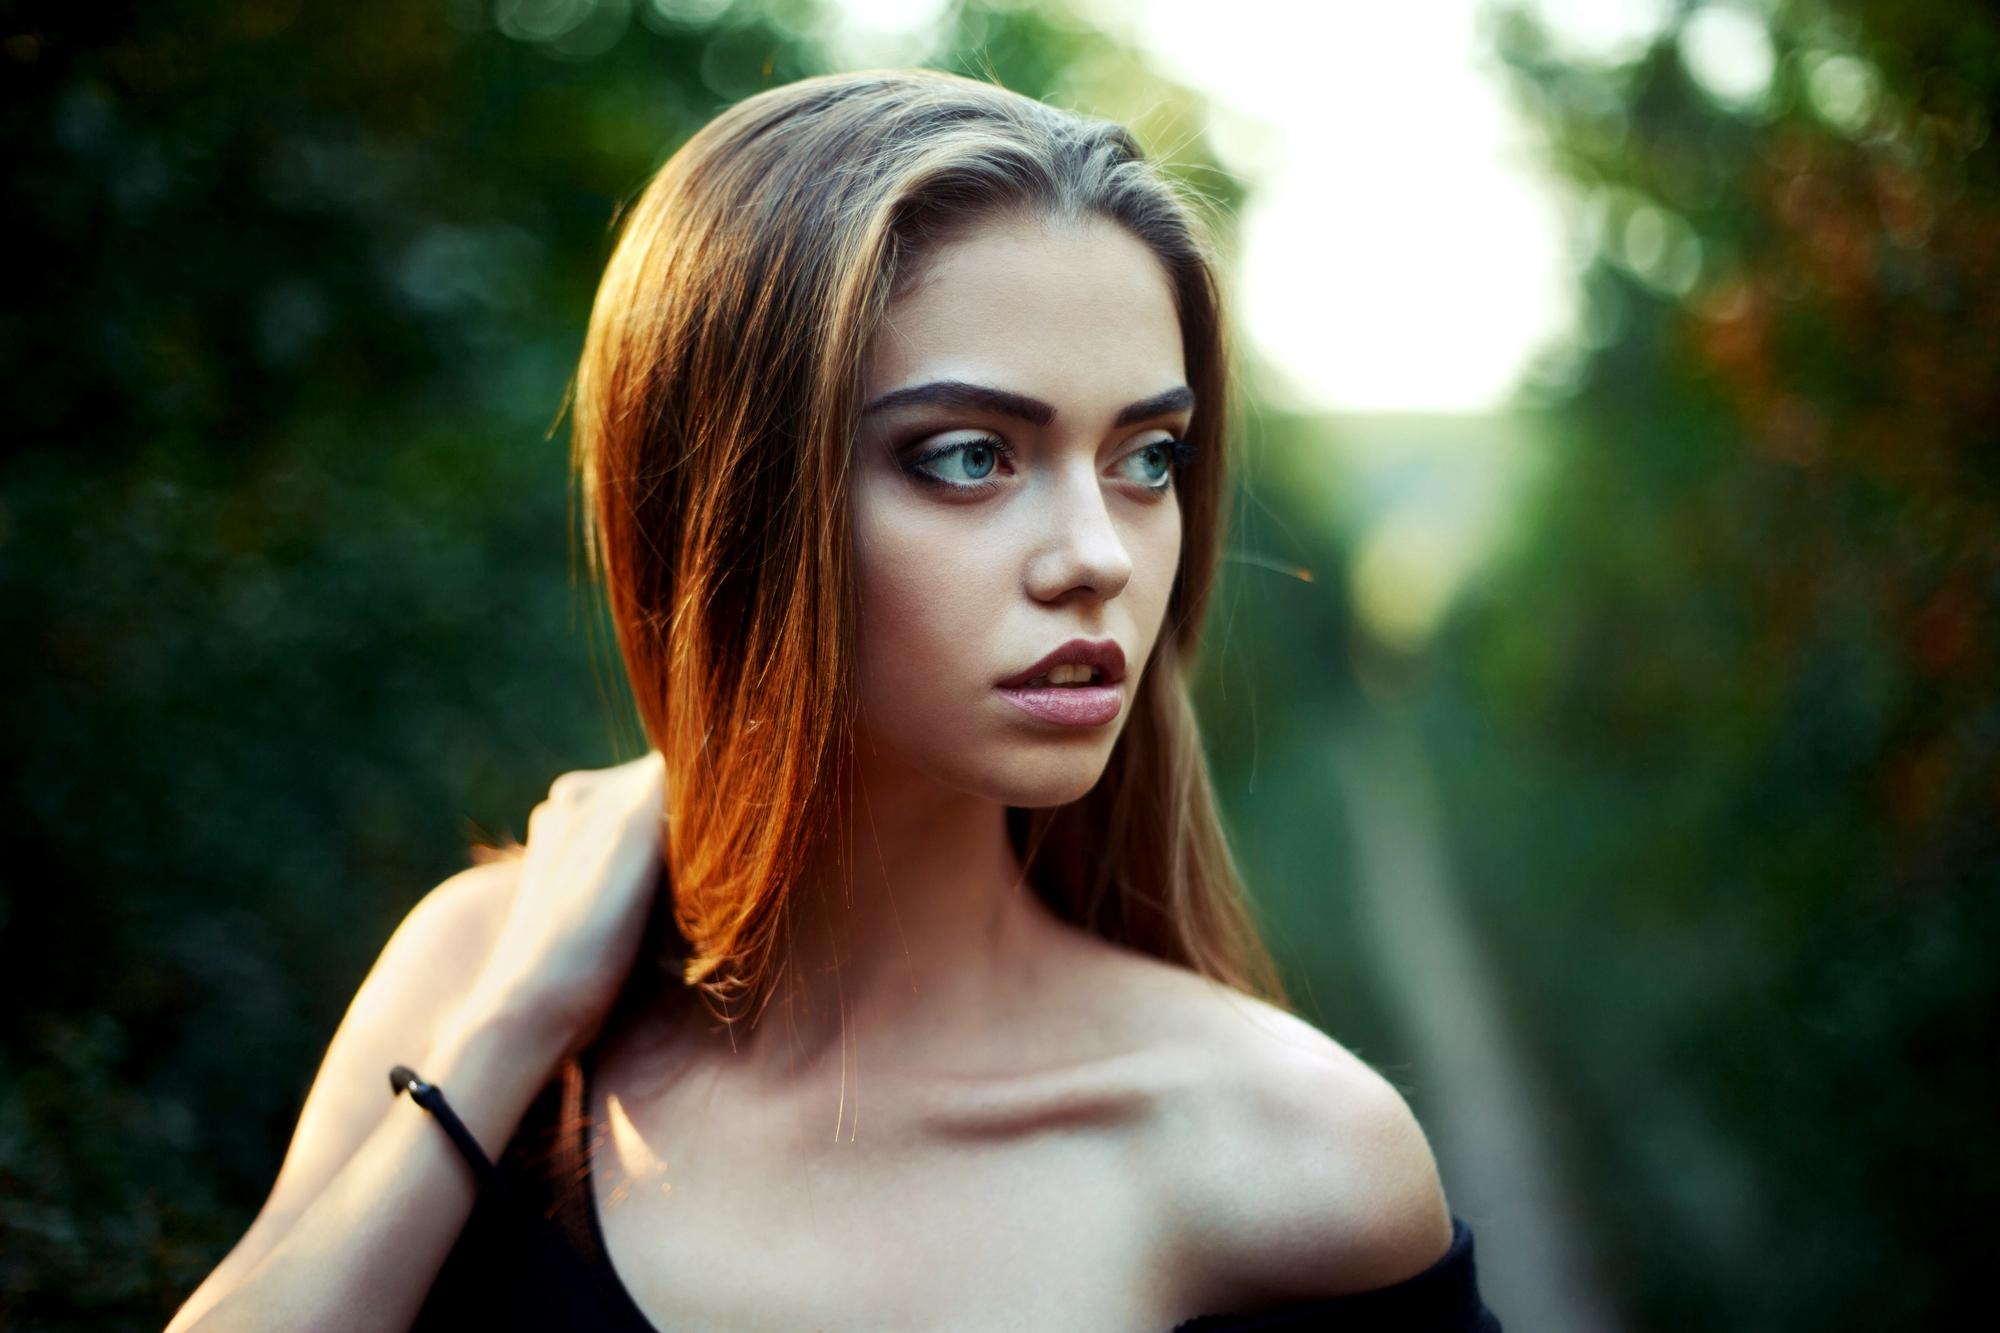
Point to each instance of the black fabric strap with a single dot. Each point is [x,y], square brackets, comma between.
[431,1098]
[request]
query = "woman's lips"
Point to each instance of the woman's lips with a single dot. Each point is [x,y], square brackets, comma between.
[1080,684]
[1067,705]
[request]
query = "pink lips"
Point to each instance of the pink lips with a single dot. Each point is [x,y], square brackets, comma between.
[1090,705]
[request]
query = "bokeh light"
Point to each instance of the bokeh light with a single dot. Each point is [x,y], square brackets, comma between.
[1400,253]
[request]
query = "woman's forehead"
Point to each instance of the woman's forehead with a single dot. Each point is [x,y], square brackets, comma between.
[1041,306]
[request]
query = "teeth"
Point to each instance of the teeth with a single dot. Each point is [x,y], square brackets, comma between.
[1075,673]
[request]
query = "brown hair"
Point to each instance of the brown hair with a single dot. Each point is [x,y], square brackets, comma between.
[715,407]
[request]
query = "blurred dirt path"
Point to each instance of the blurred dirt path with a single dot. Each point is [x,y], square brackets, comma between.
[1479,1100]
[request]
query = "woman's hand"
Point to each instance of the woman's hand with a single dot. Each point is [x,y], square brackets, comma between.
[587,883]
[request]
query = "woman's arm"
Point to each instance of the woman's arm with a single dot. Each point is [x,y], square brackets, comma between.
[491,981]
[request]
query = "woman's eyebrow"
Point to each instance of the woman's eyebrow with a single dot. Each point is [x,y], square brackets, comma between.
[1159,405]
[957,393]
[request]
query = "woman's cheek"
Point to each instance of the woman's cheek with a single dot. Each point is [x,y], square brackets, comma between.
[923,619]
[1156,552]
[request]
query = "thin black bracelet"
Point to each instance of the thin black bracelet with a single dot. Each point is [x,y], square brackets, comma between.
[431,1098]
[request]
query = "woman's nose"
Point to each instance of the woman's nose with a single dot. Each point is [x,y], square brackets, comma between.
[1080,553]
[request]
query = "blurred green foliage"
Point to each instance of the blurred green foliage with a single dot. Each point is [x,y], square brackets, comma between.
[1722,740]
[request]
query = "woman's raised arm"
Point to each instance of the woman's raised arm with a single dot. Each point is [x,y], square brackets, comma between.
[489,983]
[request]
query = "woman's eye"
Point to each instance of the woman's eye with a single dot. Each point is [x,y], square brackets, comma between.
[1150,465]
[976,461]
[963,464]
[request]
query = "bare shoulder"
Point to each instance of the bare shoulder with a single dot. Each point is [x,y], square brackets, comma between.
[428,965]
[425,970]
[421,976]
[1290,1169]
[439,948]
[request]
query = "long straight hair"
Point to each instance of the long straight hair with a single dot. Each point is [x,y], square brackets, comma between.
[715,409]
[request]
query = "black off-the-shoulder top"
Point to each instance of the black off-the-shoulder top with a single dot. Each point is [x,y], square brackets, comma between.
[536,1262]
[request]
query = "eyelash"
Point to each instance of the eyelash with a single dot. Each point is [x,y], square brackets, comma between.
[915,466]
[1181,453]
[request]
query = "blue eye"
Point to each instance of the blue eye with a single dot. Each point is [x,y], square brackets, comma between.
[1151,465]
[963,464]
[976,461]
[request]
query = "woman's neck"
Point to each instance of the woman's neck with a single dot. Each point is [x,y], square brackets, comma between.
[917,941]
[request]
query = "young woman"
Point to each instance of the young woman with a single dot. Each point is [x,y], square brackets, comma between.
[901,428]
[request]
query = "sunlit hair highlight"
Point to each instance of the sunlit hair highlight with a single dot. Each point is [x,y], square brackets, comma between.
[716,403]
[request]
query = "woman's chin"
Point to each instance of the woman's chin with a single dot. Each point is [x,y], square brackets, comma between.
[1039,782]
[1030,773]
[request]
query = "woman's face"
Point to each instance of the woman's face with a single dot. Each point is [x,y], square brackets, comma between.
[1016,531]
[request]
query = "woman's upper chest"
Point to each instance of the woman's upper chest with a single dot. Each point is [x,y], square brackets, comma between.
[1040,1200]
